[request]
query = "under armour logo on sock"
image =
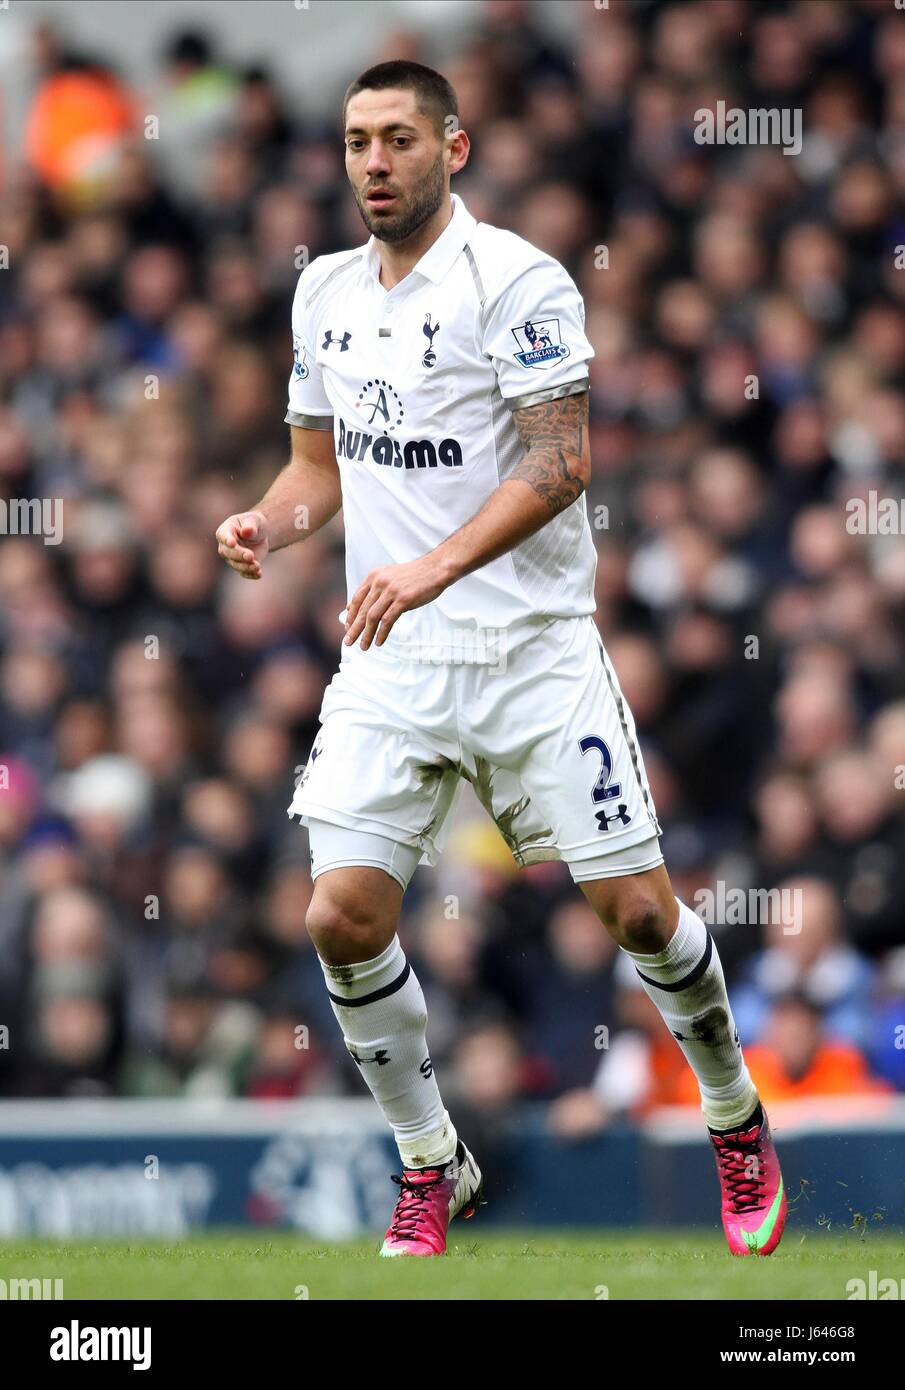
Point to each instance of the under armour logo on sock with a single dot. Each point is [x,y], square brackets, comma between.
[381,1056]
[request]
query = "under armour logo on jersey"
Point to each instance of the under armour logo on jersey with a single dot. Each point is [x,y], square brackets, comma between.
[621,814]
[329,340]
[430,357]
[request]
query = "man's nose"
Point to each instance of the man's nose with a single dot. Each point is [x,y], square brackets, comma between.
[378,161]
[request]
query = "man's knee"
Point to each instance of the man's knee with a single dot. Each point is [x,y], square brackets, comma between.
[348,927]
[639,910]
[642,924]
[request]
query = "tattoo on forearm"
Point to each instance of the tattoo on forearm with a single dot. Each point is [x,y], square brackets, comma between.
[555,438]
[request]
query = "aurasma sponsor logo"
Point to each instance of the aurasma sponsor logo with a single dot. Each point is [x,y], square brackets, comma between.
[77,1343]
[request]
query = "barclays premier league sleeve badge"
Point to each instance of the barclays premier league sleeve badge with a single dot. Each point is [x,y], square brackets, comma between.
[540,343]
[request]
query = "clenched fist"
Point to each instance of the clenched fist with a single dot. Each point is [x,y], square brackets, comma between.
[242,542]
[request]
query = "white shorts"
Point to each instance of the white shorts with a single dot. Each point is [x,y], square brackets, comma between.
[544,736]
[337,847]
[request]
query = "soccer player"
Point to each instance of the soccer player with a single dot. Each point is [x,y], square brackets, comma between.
[440,397]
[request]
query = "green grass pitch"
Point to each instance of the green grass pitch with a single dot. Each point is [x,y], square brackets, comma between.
[496,1265]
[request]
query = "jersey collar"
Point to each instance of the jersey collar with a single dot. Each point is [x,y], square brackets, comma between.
[438,258]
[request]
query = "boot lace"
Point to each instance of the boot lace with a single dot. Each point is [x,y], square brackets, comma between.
[411,1205]
[745,1180]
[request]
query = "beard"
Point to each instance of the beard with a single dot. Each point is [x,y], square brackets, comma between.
[422,204]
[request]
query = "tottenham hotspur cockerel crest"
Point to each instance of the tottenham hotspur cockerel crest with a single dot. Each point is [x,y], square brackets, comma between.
[430,357]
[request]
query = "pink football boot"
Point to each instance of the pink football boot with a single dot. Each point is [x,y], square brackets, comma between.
[754,1200]
[429,1198]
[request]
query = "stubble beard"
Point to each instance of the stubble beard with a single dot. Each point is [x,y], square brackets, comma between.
[425,201]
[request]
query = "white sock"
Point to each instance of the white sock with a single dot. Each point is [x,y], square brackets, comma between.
[686,982]
[381,1010]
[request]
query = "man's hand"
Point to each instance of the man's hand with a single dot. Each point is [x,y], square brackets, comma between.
[386,593]
[551,476]
[242,542]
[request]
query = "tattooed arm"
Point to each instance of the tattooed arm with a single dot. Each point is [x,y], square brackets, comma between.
[552,475]
[557,462]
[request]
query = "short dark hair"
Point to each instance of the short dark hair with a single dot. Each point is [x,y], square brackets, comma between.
[435,97]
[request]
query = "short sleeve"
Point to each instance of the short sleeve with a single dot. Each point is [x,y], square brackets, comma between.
[534,335]
[308,403]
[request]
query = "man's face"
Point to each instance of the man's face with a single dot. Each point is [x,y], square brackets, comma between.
[396,163]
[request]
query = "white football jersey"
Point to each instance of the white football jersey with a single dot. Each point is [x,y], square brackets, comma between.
[418,384]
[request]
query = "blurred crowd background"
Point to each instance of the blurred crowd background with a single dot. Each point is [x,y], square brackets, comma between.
[749,326]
